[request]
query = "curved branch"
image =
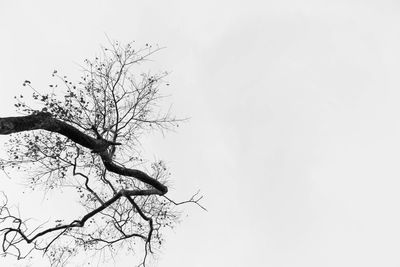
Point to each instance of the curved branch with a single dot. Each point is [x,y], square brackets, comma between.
[45,121]
[81,222]
[141,176]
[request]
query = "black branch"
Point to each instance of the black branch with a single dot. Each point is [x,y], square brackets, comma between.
[86,136]
[45,121]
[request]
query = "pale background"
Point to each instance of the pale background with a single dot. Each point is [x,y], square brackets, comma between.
[294,137]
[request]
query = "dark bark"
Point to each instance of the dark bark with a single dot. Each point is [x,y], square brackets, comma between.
[45,121]
[141,176]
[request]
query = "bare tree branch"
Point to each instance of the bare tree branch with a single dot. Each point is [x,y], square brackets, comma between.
[87,137]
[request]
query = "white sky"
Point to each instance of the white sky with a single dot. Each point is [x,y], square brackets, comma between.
[294,137]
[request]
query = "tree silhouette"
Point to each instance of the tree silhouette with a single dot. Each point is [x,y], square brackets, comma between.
[86,137]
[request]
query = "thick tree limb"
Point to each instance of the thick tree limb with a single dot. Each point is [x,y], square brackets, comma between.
[45,121]
[141,176]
